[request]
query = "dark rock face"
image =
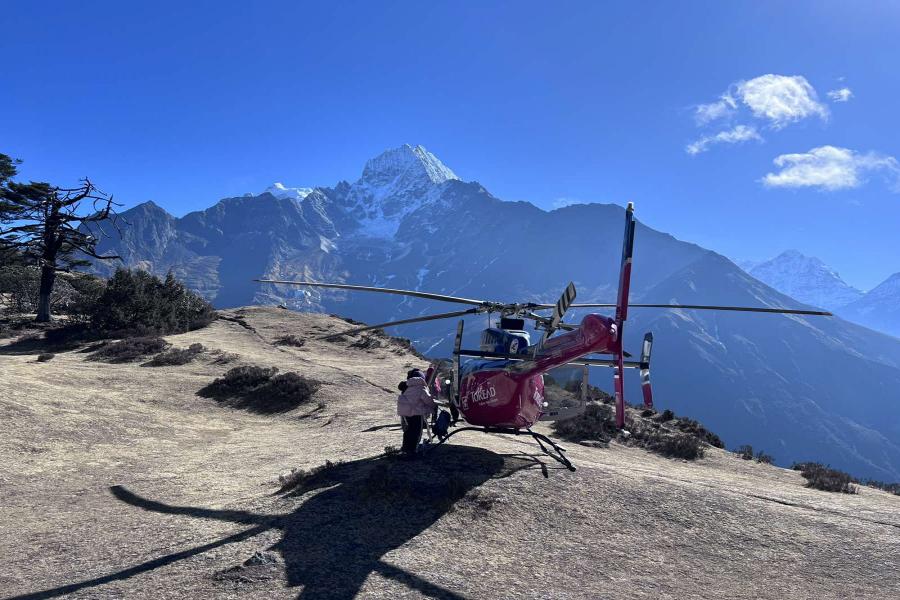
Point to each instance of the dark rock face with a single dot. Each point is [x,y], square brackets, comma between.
[800,388]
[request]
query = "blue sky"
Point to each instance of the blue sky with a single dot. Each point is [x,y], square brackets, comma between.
[185,103]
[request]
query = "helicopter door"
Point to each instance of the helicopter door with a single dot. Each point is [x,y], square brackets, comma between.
[565,392]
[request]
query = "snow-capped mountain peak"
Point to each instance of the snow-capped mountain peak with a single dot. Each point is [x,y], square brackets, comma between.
[394,184]
[279,190]
[807,279]
[406,163]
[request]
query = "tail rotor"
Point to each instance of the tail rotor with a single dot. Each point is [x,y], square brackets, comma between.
[645,370]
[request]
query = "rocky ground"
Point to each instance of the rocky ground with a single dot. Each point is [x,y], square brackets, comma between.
[119,481]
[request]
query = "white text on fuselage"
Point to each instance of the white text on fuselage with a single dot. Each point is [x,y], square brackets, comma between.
[483,394]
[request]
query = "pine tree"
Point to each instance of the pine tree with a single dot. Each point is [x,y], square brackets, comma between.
[51,226]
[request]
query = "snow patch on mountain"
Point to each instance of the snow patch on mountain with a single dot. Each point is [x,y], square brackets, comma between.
[279,190]
[806,279]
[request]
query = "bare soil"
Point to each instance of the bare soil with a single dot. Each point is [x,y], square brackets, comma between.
[119,481]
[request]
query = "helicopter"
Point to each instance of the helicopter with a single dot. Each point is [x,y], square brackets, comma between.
[500,387]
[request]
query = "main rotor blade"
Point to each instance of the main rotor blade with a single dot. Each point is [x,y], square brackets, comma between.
[786,311]
[449,315]
[366,288]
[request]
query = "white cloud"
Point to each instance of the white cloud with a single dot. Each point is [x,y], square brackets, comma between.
[724,107]
[830,168]
[740,133]
[778,99]
[781,99]
[841,95]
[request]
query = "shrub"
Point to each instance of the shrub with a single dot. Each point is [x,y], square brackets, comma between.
[290,340]
[745,452]
[176,356]
[762,457]
[891,488]
[821,477]
[45,356]
[597,422]
[136,301]
[297,477]
[261,390]
[666,415]
[239,381]
[367,342]
[129,349]
[694,428]
[675,445]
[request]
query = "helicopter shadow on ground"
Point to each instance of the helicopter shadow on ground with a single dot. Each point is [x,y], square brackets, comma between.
[354,513]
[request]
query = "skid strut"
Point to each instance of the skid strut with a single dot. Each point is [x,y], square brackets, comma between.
[556,452]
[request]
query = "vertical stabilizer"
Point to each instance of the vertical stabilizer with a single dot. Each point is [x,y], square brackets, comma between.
[622,313]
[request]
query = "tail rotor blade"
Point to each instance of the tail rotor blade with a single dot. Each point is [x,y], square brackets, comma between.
[559,310]
[646,347]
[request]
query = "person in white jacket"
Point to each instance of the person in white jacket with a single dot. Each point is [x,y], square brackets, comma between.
[413,405]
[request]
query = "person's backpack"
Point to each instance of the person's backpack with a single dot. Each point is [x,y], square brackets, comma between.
[441,424]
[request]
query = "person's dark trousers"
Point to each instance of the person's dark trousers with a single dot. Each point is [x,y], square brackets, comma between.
[412,434]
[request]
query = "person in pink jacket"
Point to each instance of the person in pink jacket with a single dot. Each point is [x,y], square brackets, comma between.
[413,405]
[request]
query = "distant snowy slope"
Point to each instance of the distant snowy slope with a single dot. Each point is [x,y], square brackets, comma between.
[806,279]
[879,308]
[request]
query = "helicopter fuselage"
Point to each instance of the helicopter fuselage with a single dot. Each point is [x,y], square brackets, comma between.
[510,393]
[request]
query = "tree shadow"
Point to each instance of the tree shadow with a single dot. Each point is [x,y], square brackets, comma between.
[57,339]
[354,513]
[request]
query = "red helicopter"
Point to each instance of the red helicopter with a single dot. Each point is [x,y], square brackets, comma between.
[499,388]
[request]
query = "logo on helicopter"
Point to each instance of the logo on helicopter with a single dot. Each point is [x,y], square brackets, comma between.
[481,394]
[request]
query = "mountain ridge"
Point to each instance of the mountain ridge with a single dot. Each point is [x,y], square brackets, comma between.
[409,228]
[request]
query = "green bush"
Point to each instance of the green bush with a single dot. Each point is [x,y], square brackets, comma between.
[138,302]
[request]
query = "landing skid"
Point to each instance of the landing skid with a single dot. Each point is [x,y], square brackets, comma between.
[556,452]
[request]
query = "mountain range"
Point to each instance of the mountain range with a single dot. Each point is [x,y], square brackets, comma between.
[802,388]
[813,282]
